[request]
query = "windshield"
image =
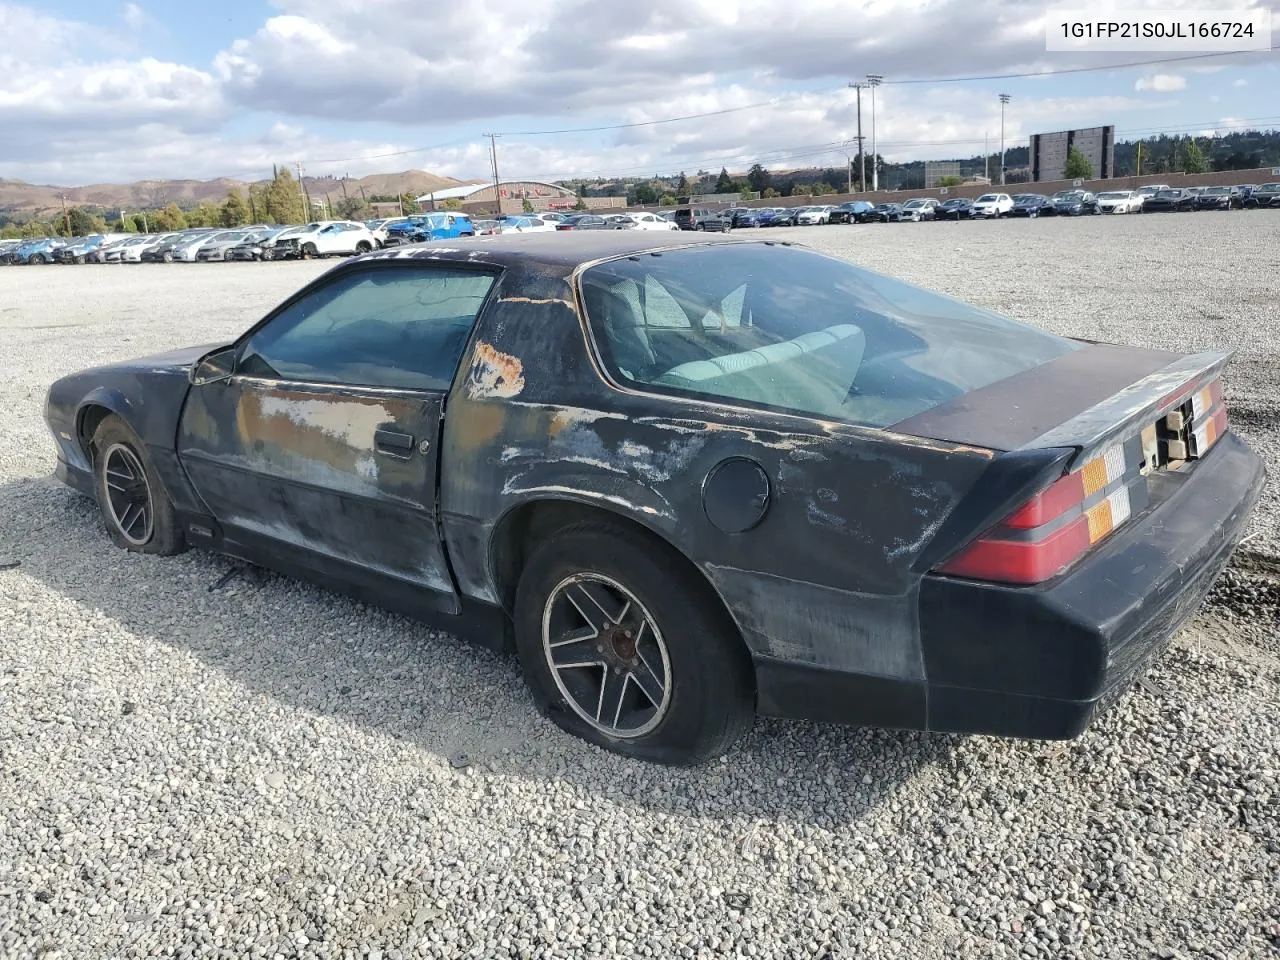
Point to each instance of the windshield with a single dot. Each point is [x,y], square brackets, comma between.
[1216,191]
[988,198]
[1114,195]
[1169,194]
[912,204]
[791,329]
[1071,197]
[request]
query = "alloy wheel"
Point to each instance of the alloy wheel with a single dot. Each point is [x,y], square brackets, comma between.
[606,654]
[128,494]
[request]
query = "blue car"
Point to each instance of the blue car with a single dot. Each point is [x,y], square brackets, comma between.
[42,250]
[78,250]
[430,226]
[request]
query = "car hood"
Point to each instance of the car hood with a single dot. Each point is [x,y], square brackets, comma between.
[172,361]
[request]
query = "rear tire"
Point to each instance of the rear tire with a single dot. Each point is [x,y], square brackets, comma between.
[309,251]
[663,648]
[363,247]
[136,510]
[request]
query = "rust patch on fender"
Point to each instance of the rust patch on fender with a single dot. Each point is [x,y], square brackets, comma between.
[494,374]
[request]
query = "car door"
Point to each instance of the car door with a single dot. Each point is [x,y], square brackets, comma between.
[322,445]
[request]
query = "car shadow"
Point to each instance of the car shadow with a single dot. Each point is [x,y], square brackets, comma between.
[317,651]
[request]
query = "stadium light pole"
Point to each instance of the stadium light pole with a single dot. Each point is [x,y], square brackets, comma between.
[862,154]
[873,81]
[1004,100]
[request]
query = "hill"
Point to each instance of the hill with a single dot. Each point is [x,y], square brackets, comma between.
[20,200]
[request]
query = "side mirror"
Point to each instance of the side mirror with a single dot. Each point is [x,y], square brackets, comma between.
[215,368]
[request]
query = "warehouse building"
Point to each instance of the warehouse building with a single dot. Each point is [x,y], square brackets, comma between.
[512,195]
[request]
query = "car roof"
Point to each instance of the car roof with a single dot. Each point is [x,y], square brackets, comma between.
[559,253]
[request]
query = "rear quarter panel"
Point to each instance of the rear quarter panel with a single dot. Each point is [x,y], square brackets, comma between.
[825,578]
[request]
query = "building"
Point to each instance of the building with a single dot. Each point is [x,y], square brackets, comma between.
[512,194]
[1049,152]
[938,170]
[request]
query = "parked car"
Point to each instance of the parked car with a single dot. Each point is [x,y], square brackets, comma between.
[1029,205]
[132,251]
[1151,189]
[335,238]
[522,224]
[1073,203]
[774,217]
[956,208]
[103,251]
[488,228]
[1266,195]
[852,211]
[1220,198]
[886,212]
[255,245]
[440,225]
[647,221]
[583,221]
[1173,200]
[1037,559]
[919,209]
[81,249]
[37,251]
[166,251]
[1120,201]
[185,250]
[216,247]
[702,218]
[992,206]
[811,216]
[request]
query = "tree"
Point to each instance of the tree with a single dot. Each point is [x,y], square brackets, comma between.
[83,223]
[170,218]
[453,203]
[820,189]
[410,204]
[352,208]
[140,223]
[235,212]
[580,205]
[204,215]
[258,204]
[667,200]
[282,199]
[950,181]
[124,226]
[682,188]
[1193,158]
[724,182]
[645,194]
[526,205]
[1078,166]
[758,178]
[768,193]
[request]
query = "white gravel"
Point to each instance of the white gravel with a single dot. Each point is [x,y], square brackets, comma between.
[267,770]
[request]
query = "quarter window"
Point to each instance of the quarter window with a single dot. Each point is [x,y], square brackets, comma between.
[401,326]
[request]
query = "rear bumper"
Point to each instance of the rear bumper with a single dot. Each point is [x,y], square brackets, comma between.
[1042,662]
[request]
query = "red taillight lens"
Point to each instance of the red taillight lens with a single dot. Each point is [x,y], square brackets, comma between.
[1053,529]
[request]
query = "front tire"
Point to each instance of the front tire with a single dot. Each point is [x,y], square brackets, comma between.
[136,510]
[621,652]
[309,251]
[363,247]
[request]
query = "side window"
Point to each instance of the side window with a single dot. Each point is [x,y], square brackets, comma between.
[399,327]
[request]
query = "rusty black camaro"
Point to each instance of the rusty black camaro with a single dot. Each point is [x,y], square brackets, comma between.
[692,480]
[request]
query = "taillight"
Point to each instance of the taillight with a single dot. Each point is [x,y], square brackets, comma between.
[1052,530]
[1055,528]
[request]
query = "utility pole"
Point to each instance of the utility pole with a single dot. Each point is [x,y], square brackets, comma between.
[874,80]
[862,154]
[306,198]
[1139,173]
[66,216]
[1004,100]
[493,159]
[986,159]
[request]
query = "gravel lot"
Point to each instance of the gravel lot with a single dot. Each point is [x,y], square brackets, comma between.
[264,769]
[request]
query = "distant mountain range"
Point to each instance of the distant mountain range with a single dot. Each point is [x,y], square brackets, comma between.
[23,200]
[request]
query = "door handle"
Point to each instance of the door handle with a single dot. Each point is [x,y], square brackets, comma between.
[393,443]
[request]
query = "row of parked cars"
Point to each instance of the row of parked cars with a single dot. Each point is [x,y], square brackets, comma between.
[323,238]
[1069,203]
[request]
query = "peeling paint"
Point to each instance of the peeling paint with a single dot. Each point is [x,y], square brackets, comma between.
[494,374]
[536,301]
[510,488]
[352,422]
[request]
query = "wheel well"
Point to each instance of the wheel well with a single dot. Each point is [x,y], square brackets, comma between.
[521,530]
[91,416]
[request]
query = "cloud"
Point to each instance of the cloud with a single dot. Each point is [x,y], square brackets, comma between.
[1161,82]
[1241,82]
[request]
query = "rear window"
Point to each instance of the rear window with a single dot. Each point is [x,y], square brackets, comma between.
[793,330]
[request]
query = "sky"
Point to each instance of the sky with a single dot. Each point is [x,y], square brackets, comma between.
[101,91]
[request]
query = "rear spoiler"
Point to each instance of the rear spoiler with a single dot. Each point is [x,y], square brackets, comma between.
[1132,408]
